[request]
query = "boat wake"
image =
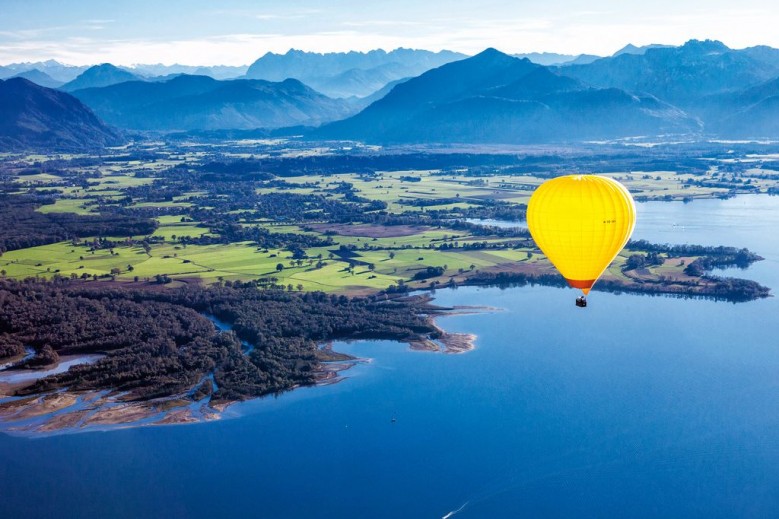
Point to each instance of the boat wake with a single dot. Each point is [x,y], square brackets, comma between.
[453,512]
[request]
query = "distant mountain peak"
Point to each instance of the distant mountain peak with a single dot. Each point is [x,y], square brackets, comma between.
[491,55]
[627,49]
[101,75]
[637,51]
[710,46]
[491,52]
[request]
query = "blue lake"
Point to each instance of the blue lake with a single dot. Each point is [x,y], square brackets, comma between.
[634,407]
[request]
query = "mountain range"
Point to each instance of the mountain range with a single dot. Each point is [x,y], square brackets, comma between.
[345,74]
[701,88]
[683,75]
[36,117]
[202,103]
[64,73]
[214,71]
[496,98]
[56,70]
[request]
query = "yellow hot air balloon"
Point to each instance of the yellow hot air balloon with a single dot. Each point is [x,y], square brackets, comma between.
[581,222]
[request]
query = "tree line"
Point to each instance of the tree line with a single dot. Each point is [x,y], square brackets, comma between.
[22,226]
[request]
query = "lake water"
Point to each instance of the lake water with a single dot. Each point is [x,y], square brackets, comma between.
[634,407]
[25,375]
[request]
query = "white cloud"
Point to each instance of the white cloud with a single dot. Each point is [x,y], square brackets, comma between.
[601,28]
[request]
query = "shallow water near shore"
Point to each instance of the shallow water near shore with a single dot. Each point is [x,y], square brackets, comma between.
[27,375]
[635,406]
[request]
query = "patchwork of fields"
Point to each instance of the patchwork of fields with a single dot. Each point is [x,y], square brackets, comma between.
[404,224]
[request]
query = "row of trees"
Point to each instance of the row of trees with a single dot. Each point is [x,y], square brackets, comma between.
[22,226]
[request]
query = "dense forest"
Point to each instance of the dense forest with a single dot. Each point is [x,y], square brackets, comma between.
[161,344]
[707,286]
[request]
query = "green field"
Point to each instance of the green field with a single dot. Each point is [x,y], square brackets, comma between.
[378,256]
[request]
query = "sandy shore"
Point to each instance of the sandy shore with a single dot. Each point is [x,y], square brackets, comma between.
[30,407]
[450,343]
[179,416]
[64,421]
[69,411]
[122,413]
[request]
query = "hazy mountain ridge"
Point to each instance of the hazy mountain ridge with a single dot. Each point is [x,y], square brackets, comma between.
[202,103]
[345,74]
[99,76]
[214,71]
[35,117]
[681,75]
[39,78]
[58,71]
[552,58]
[63,73]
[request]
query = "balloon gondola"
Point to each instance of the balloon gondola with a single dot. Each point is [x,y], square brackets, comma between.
[581,223]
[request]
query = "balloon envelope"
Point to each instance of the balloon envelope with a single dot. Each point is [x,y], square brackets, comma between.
[581,222]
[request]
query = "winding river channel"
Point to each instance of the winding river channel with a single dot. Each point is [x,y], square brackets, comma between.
[637,406]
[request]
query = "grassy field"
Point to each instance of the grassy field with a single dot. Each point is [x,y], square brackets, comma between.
[365,270]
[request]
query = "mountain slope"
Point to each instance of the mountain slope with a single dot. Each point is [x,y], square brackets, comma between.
[495,98]
[752,113]
[35,117]
[760,120]
[99,76]
[201,103]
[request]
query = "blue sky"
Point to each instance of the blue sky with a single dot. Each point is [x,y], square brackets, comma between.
[235,32]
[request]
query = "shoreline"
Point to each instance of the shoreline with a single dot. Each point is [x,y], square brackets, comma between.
[706,286]
[64,411]
[67,411]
